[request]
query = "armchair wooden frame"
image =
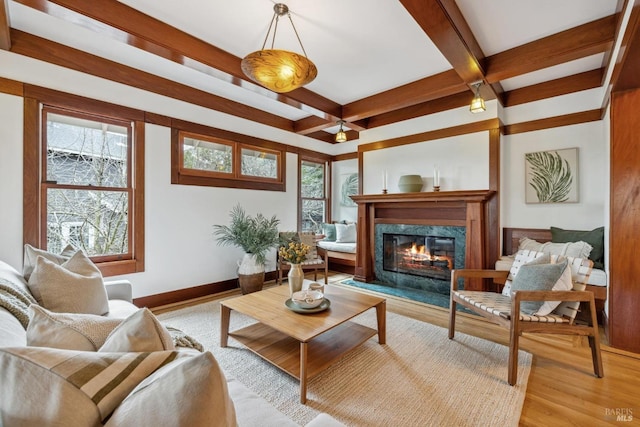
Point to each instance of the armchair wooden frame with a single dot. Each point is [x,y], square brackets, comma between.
[517,325]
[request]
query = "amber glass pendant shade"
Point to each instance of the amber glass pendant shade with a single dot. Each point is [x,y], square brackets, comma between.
[279,70]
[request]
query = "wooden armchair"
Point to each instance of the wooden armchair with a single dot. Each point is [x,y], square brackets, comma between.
[505,311]
[314,261]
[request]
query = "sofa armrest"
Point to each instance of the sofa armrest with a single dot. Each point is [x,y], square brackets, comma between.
[119,289]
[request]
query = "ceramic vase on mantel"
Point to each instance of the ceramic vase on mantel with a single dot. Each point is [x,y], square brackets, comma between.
[295,278]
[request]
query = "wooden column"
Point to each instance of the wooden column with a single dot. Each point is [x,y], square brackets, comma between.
[624,222]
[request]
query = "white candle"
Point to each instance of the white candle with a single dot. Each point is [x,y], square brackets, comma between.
[436,177]
[384,180]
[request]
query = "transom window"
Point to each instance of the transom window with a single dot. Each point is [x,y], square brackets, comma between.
[220,162]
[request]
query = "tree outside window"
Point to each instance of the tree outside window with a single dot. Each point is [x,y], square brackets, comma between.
[312,195]
[88,183]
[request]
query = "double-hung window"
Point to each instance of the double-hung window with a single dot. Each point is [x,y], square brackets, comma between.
[87,184]
[90,191]
[313,195]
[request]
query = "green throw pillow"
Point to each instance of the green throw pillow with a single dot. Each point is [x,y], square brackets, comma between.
[536,277]
[329,231]
[594,237]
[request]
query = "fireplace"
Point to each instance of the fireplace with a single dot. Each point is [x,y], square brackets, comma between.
[418,257]
[425,256]
[471,217]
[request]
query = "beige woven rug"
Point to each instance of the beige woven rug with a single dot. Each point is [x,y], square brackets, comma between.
[419,378]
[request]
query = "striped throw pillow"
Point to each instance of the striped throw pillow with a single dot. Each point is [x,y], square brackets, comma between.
[45,385]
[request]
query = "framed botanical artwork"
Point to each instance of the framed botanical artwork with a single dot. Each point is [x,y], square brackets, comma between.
[552,176]
[348,187]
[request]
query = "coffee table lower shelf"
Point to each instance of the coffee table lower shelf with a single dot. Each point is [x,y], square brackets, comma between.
[284,351]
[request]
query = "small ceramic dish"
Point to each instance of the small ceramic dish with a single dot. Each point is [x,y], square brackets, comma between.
[307,298]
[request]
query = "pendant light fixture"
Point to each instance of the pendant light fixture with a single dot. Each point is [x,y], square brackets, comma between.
[477,103]
[341,136]
[279,70]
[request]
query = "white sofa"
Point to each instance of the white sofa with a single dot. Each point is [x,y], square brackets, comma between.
[250,409]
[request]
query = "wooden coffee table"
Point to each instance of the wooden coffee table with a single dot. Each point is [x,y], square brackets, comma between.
[302,345]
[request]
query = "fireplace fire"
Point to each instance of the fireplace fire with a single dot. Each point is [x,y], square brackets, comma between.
[426,256]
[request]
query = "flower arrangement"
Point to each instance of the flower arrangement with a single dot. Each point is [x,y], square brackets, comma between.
[294,252]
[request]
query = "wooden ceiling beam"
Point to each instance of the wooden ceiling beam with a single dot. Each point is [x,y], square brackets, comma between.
[575,43]
[444,24]
[127,25]
[565,85]
[5,25]
[423,90]
[430,107]
[310,125]
[64,56]
[626,74]
[437,24]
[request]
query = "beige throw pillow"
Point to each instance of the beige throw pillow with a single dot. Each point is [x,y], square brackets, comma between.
[142,331]
[578,249]
[52,387]
[70,331]
[31,254]
[76,286]
[189,392]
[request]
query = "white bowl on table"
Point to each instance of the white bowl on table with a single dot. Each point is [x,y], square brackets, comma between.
[307,298]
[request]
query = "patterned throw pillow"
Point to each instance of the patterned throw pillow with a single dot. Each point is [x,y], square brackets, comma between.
[45,386]
[190,392]
[573,249]
[69,331]
[542,277]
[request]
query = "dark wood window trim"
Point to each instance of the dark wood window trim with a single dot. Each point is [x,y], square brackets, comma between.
[185,176]
[35,97]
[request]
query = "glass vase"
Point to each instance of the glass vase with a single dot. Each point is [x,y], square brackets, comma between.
[295,278]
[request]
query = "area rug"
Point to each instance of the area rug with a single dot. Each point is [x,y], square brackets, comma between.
[419,378]
[427,297]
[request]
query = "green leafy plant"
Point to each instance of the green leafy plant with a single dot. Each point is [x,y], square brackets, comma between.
[255,235]
[551,176]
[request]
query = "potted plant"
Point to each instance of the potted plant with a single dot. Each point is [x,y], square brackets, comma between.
[255,235]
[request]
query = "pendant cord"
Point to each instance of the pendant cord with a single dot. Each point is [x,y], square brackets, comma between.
[296,31]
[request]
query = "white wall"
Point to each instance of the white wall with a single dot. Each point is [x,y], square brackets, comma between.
[11,180]
[338,172]
[463,162]
[588,212]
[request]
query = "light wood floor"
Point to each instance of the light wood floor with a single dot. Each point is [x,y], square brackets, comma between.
[562,390]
